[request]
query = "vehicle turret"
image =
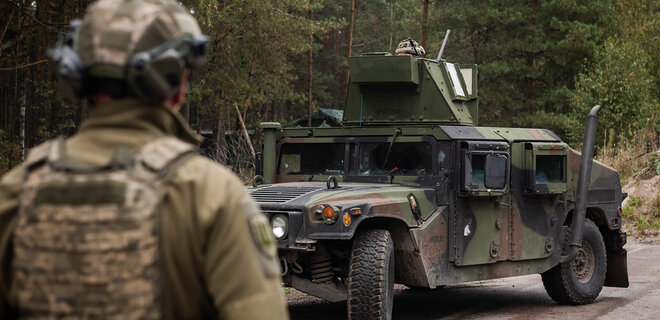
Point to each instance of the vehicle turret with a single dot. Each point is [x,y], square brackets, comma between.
[386,90]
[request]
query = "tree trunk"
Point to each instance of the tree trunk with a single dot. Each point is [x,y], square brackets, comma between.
[269,111]
[310,60]
[425,21]
[22,124]
[3,31]
[350,43]
[245,132]
[391,25]
[84,109]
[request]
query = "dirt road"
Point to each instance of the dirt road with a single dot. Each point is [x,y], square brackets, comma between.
[514,298]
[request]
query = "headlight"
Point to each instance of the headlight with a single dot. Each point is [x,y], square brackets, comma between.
[280,224]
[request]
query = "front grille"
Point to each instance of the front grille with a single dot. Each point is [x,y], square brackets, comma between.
[280,194]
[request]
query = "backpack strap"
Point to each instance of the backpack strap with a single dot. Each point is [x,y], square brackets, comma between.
[158,154]
[47,151]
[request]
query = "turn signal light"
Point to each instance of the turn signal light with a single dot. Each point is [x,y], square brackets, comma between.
[328,213]
[347,219]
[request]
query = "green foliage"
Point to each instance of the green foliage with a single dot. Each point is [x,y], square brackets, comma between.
[528,54]
[4,157]
[256,45]
[621,82]
[623,76]
[643,214]
[654,163]
[541,63]
[633,204]
[655,208]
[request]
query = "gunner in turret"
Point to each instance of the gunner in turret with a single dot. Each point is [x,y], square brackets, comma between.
[410,47]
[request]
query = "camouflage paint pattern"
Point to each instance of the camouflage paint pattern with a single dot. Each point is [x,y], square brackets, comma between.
[113,30]
[463,231]
[86,244]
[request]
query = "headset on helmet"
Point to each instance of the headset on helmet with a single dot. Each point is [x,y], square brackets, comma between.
[153,76]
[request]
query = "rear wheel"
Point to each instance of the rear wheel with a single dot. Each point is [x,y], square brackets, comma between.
[581,280]
[371,276]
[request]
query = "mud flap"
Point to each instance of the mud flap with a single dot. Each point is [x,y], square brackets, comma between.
[333,292]
[617,269]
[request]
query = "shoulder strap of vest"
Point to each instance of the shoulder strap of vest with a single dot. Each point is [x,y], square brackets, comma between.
[159,153]
[49,150]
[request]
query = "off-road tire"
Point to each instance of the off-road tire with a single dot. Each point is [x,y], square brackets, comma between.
[371,276]
[575,282]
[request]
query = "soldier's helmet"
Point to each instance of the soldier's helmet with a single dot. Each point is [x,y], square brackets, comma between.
[144,43]
[410,47]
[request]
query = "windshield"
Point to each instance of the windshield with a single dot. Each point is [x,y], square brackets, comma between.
[401,158]
[312,159]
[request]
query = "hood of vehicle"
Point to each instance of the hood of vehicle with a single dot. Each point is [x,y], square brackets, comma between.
[381,199]
[310,193]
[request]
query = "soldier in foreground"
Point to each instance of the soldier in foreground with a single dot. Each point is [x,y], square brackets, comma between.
[124,220]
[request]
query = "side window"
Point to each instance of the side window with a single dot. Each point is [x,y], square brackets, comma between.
[496,171]
[545,167]
[550,169]
[485,172]
[478,169]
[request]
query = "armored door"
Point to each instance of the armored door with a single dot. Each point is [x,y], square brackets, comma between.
[483,206]
[540,177]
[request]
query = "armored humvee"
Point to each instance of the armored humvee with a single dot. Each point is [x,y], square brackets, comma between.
[409,190]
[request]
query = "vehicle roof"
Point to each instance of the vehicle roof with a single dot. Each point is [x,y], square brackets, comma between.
[440,132]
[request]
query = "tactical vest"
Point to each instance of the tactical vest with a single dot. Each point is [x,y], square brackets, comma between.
[87,240]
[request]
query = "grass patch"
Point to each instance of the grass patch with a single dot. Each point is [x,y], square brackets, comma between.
[634,157]
[629,211]
[638,163]
[642,216]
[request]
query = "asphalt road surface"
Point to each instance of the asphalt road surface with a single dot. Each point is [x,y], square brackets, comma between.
[514,298]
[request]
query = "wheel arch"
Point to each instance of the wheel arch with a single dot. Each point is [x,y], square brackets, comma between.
[409,268]
[617,270]
[595,214]
[397,228]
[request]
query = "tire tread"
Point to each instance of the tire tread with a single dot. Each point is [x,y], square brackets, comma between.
[367,275]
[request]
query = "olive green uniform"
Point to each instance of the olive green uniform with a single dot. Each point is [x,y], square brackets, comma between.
[216,264]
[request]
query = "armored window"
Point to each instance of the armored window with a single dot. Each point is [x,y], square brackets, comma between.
[550,169]
[312,159]
[455,80]
[478,169]
[545,167]
[399,158]
[484,172]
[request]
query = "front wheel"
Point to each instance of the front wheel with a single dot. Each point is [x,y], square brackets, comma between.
[579,281]
[371,276]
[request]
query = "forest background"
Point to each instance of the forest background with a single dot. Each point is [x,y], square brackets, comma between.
[542,63]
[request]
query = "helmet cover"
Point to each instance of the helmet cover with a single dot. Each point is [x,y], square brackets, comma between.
[410,47]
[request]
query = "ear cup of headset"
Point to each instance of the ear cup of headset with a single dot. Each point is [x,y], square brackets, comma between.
[70,74]
[154,79]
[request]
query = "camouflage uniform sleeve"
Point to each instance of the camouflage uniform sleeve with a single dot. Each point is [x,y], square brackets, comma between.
[9,190]
[240,262]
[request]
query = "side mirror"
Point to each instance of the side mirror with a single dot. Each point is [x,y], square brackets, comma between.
[496,171]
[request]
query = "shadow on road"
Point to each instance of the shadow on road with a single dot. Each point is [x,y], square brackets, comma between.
[425,304]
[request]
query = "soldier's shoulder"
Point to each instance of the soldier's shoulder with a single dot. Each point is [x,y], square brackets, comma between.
[198,167]
[13,176]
